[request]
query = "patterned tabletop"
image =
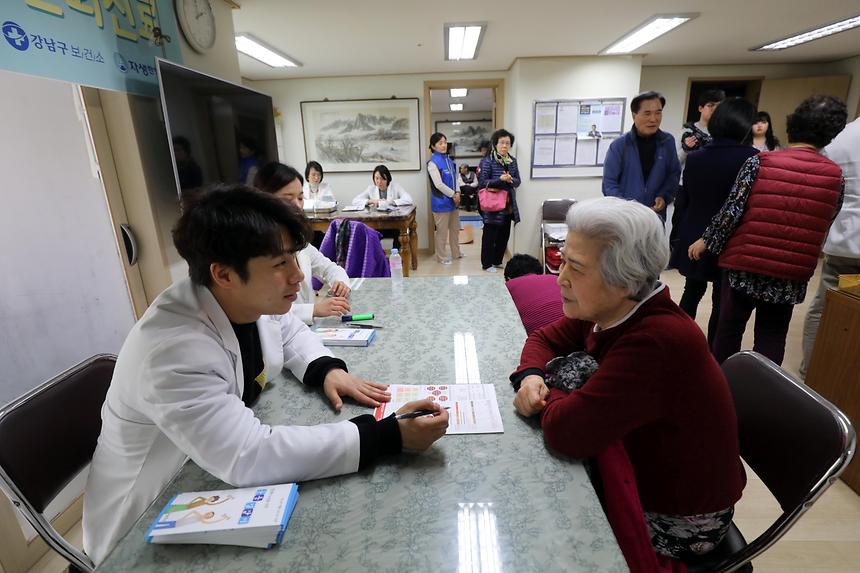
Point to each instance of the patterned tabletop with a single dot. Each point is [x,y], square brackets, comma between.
[472,503]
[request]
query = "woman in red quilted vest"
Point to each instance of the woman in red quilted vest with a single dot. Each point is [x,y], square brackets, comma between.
[769,231]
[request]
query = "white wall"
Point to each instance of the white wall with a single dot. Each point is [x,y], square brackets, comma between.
[672,82]
[558,78]
[222,60]
[850,66]
[288,95]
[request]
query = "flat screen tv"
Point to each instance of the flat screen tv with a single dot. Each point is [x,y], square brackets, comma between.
[219,132]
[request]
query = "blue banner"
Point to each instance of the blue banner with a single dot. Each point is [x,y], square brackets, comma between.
[108,44]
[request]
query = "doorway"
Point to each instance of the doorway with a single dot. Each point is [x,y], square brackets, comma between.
[481,111]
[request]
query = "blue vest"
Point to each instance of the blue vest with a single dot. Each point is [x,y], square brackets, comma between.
[439,202]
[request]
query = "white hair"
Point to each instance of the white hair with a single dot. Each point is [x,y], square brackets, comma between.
[635,249]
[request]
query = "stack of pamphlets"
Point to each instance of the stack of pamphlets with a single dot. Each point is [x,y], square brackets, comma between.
[346,336]
[251,517]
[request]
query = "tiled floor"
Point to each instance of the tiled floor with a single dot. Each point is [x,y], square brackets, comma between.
[825,540]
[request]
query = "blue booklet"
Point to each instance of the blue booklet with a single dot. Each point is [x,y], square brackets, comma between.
[251,517]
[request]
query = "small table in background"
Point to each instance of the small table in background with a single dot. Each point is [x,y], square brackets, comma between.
[401,219]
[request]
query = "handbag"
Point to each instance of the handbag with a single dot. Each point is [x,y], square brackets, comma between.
[492,200]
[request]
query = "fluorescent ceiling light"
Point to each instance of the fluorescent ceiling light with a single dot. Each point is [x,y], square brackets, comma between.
[462,41]
[650,30]
[456,107]
[459,92]
[456,122]
[811,35]
[250,46]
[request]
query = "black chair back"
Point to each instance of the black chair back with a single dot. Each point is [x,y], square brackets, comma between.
[47,437]
[555,210]
[789,435]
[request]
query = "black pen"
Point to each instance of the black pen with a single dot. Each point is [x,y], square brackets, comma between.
[418,414]
[355,325]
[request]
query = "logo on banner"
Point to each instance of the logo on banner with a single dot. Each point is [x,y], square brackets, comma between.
[15,35]
[120,62]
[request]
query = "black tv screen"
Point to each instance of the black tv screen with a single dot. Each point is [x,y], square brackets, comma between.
[219,132]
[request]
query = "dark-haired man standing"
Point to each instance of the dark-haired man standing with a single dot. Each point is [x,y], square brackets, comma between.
[642,164]
[200,356]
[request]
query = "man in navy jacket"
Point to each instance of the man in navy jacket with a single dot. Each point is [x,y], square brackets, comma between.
[642,165]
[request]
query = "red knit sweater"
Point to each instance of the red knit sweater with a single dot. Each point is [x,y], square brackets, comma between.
[660,391]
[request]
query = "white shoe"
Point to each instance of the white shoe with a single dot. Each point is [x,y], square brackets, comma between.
[445,262]
[491,270]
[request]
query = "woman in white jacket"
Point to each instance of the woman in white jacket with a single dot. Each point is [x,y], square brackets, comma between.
[314,188]
[285,183]
[382,189]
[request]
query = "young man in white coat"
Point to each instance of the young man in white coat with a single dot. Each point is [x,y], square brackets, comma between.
[200,356]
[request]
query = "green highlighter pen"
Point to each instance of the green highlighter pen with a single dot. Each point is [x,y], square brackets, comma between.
[354,317]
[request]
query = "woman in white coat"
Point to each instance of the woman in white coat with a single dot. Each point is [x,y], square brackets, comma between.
[383,189]
[314,188]
[285,183]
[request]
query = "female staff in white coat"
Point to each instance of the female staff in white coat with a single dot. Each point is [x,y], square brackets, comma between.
[383,189]
[314,187]
[193,365]
[285,183]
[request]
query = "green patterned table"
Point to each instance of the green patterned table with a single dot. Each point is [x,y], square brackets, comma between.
[479,503]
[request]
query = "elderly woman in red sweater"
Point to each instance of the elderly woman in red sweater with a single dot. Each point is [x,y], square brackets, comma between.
[656,388]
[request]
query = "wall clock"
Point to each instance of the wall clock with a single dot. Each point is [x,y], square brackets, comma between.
[197,22]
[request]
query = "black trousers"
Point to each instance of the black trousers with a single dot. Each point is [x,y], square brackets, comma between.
[494,241]
[694,290]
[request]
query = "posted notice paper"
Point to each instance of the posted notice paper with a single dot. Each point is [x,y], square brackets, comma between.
[472,408]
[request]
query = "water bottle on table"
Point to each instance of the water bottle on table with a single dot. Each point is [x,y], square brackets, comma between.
[396,265]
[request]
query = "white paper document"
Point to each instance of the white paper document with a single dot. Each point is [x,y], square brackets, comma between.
[568,115]
[545,118]
[472,408]
[565,150]
[544,150]
[586,151]
[602,148]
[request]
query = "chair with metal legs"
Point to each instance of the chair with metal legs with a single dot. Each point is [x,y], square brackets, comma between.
[47,437]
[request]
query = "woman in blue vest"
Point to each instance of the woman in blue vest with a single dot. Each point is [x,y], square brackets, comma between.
[444,199]
[498,172]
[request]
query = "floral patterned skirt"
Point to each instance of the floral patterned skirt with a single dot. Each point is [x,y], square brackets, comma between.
[688,536]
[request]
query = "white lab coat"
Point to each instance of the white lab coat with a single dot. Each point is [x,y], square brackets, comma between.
[396,192]
[843,240]
[176,393]
[324,193]
[314,264]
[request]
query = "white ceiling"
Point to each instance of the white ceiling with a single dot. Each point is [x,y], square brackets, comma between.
[476,100]
[341,38]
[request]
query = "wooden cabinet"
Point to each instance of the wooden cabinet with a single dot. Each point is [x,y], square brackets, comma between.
[834,369]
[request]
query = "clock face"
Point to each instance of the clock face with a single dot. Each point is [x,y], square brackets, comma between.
[197,22]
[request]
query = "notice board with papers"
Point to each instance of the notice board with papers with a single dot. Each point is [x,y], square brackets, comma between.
[571,137]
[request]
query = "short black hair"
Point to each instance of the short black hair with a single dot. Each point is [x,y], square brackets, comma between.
[636,102]
[274,176]
[316,166]
[231,224]
[816,121]
[434,139]
[521,265]
[250,143]
[182,141]
[732,119]
[484,145]
[711,96]
[383,171]
[500,133]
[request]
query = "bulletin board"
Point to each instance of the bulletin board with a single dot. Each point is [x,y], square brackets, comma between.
[570,137]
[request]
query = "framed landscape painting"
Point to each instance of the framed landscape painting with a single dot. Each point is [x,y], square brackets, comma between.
[358,135]
[466,135]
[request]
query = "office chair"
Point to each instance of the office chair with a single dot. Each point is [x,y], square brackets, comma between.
[47,437]
[794,440]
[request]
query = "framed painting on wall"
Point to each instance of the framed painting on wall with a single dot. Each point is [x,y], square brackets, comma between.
[358,135]
[466,135]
